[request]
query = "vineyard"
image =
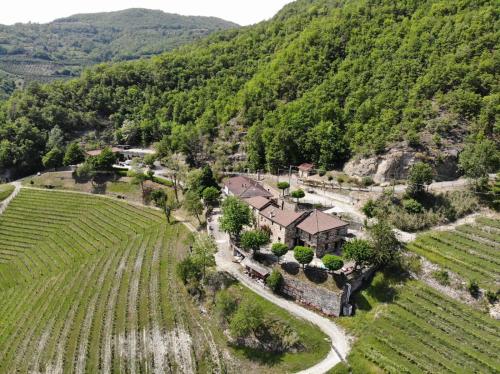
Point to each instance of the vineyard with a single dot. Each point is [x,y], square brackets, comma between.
[86,286]
[422,331]
[471,251]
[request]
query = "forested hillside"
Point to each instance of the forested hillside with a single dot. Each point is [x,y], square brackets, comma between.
[322,81]
[61,48]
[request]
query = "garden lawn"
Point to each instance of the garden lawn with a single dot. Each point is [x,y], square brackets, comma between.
[316,343]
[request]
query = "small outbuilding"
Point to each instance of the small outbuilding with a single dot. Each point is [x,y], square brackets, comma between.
[306,170]
[254,269]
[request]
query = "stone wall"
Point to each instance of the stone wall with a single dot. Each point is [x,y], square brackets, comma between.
[324,242]
[279,233]
[319,298]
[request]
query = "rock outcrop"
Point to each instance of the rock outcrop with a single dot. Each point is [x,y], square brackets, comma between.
[397,162]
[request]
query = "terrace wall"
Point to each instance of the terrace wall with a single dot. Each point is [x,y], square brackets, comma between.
[319,298]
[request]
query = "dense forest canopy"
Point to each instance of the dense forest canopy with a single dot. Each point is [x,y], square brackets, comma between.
[322,81]
[61,48]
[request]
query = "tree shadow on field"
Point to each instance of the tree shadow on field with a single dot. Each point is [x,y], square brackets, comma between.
[269,359]
[291,268]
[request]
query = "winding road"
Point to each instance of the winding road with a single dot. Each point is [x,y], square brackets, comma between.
[339,340]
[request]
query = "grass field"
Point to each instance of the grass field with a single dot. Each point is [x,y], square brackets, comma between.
[412,328]
[87,285]
[471,251]
[5,191]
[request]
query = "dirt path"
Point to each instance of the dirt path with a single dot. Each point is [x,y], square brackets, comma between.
[339,340]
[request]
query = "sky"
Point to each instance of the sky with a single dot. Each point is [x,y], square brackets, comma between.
[243,12]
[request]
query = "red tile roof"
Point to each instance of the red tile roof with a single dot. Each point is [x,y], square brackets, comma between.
[282,217]
[318,221]
[306,166]
[258,202]
[245,187]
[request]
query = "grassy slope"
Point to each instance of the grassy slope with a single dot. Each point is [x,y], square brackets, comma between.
[315,342]
[412,328]
[84,273]
[5,191]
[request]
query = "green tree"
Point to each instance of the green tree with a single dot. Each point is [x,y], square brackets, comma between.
[187,270]
[160,199]
[74,154]
[279,249]
[104,161]
[253,240]
[138,178]
[211,196]
[298,194]
[386,247]
[283,186]
[358,250]
[193,204]
[56,138]
[235,215]
[420,175]
[202,255]
[247,319]
[303,255]
[478,159]
[332,262]
[53,158]
[150,159]
[274,280]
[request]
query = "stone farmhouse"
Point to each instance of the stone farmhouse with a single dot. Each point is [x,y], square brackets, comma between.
[323,232]
[320,231]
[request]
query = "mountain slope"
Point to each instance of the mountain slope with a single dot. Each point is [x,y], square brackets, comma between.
[322,81]
[60,48]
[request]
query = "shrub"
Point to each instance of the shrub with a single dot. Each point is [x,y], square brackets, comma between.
[369,208]
[274,280]
[298,194]
[279,249]
[341,179]
[322,171]
[492,296]
[226,304]
[442,277]
[473,288]
[412,206]
[367,181]
[303,255]
[332,262]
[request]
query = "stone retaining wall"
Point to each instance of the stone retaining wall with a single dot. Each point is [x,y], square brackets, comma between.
[326,301]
